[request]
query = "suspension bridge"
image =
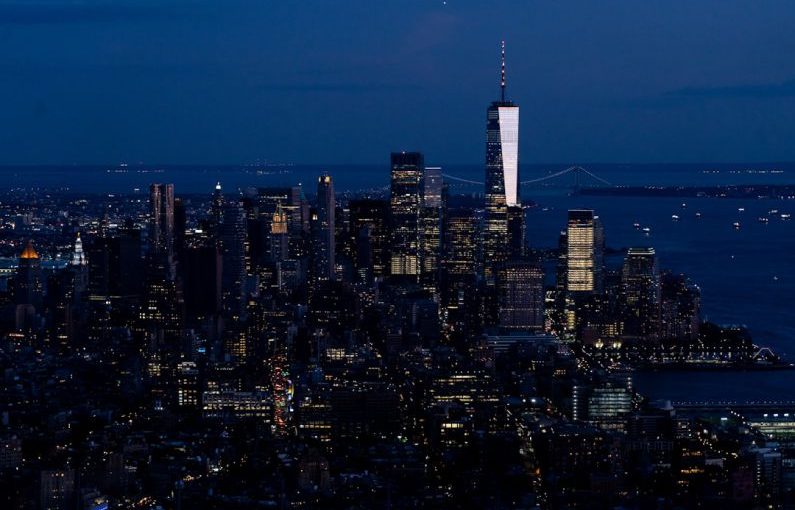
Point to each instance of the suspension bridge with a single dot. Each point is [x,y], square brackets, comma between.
[573,176]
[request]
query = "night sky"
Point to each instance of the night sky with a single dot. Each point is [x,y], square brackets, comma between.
[348,81]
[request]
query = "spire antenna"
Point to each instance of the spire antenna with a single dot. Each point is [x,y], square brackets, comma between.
[502,73]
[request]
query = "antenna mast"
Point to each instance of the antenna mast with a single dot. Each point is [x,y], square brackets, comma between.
[502,74]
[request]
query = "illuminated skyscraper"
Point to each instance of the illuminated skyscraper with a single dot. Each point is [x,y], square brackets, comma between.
[459,283]
[217,208]
[324,243]
[233,253]
[161,234]
[79,265]
[584,251]
[405,203]
[640,282]
[521,296]
[432,187]
[502,176]
[368,237]
[430,246]
[279,240]
[516,233]
[28,281]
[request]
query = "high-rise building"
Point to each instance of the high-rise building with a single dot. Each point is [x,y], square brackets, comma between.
[405,203]
[79,268]
[294,205]
[201,266]
[279,237]
[430,246]
[217,209]
[521,296]
[459,283]
[517,241]
[681,308]
[502,176]
[584,251]
[56,489]
[324,241]
[28,281]
[432,183]
[369,238]
[233,254]
[161,204]
[640,282]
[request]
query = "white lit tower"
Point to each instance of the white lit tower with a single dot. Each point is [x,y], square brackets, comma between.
[502,176]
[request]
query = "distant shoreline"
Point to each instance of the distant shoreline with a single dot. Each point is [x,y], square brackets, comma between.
[757,191]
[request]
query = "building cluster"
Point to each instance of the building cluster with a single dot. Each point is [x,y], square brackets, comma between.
[270,348]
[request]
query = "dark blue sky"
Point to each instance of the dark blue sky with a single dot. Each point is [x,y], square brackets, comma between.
[347,81]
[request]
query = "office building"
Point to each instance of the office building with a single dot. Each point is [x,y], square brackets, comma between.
[640,283]
[324,232]
[502,176]
[161,233]
[405,204]
[584,252]
[521,296]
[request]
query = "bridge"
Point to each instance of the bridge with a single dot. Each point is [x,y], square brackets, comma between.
[573,176]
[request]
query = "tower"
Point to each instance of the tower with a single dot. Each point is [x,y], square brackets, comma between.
[324,241]
[161,203]
[28,280]
[584,251]
[404,205]
[233,254]
[502,176]
[369,238]
[79,265]
[521,296]
[640,283]
[580,251]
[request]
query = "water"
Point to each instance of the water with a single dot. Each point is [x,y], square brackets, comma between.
[747,276]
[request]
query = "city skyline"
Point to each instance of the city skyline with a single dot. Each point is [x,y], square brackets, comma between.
[495,335]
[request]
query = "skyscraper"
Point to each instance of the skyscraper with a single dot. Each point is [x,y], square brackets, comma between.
[28,281]
[405,203]
[432,187]
[368,237]
[233,253]
[521,296]
[161,234]
[459,283]
[502,175]
[324,251]
[584,251]
[79,265]
[640,282]
[279,240]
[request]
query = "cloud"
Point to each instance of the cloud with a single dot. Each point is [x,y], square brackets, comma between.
[50,12]
[765,90]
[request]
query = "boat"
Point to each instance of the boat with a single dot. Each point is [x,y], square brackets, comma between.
[675,217]
[636,225]
[737,225]
[772,211]
[763,219]
[786,216]
[646,230]
[698,215]
[741,209]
